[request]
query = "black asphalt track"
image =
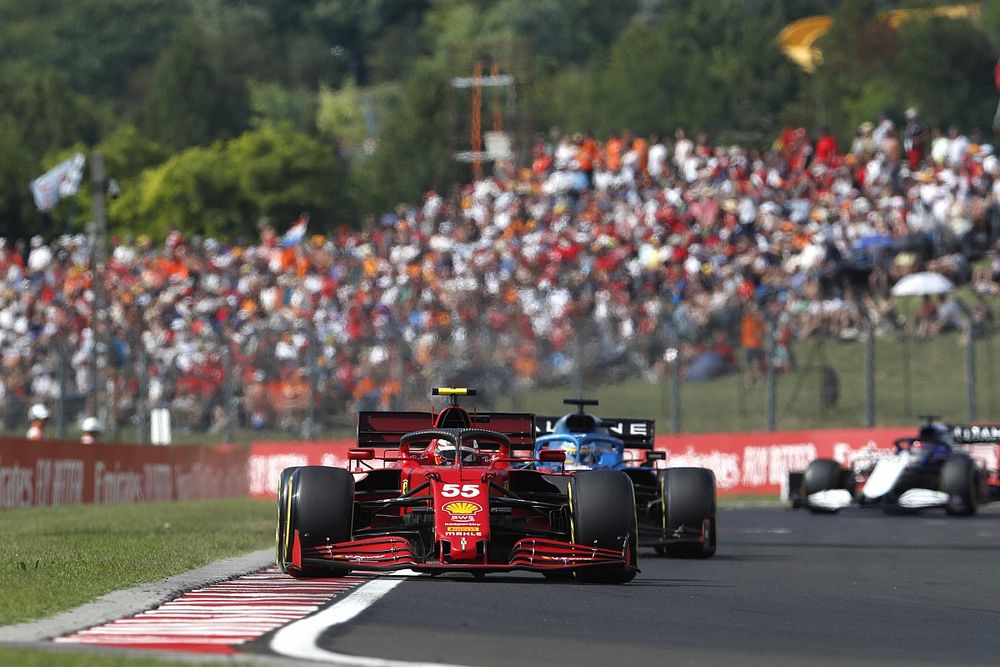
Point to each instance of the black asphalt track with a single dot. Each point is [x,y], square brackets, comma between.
[786,588]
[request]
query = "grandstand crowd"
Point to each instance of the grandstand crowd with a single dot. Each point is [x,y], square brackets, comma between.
[592,261]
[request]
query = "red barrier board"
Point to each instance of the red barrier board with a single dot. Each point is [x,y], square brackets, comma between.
[268,459]
[744,463]
[759,463]
[56,472]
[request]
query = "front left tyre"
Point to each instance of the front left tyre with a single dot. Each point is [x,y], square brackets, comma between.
[602,514]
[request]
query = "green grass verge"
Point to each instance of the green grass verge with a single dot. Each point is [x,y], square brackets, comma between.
[25,657]
[55,558]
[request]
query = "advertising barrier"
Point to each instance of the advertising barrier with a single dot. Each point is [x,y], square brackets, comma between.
[56,472]
[59,473]
[744,463]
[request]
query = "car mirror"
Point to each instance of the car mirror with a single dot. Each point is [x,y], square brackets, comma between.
[360,454]
[552,456]
[654,455]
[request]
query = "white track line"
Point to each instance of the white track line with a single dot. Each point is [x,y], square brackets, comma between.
[299,639]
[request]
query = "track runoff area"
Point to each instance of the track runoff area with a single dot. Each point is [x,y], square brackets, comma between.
[859,588]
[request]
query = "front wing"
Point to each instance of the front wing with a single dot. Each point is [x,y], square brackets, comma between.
[383,554]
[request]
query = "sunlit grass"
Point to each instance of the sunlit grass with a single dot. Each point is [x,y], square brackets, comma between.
[55,558]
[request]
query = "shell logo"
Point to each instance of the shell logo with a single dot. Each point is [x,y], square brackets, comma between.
[462,510]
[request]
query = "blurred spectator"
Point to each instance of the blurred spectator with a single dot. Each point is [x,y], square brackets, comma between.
[38,416]
[590,262]
[92,429]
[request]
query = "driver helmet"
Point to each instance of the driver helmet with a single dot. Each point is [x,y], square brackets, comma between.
[572,453]
[444,453]
[935,433]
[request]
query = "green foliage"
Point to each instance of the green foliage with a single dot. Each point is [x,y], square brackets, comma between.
[193,100]
[411,136]
[931,53]
[282,173]
[340,116]
[146,80]
[194,190]
[224,189]
[272,103]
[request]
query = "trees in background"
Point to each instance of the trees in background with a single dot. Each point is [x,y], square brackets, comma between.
[215,113]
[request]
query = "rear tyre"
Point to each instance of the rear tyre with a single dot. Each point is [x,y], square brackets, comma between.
[688,497]
[960,480]
[602,514]
[821,475]
[321,508]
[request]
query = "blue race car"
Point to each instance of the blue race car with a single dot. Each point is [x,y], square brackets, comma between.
[675,506]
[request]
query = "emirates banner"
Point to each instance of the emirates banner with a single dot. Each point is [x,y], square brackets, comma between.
[62,473]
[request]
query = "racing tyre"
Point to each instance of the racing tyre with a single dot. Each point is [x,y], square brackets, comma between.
[688,497]
[821,475]
[319,504]
[960,480]
[602,513]
[282,535]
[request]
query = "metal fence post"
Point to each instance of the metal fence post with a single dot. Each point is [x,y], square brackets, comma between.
[970,366]
[228,399]
[772,385]
[143,400]
[309,429]
[63,382]
[675,386]
[869,372]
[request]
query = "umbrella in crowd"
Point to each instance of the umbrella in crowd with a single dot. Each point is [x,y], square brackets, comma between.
[922,283]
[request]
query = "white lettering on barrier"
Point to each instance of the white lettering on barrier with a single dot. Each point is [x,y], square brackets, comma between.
[67,482]
[769,464]
[157,481]
[265,471]
[16,486]
[116,486]
[43,482]
[725,465]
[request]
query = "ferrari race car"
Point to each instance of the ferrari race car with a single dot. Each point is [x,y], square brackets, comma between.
[448,494]
[953,467]
[676,506]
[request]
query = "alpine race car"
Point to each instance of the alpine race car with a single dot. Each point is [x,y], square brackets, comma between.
[950,467]
[676,506]
[446,493]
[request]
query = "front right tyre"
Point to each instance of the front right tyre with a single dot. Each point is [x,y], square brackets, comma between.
[317,502]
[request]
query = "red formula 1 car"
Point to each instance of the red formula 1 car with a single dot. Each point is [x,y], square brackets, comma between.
[449,495]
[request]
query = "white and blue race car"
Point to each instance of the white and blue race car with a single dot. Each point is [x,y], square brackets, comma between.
[942,467]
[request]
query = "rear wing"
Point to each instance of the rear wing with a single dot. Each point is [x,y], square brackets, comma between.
[635,433]
[969,434]
[384,429]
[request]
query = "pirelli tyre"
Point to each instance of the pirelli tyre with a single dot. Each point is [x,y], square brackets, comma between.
[319,504]
[283,536]
[689,507]
[821,475]
[602,514]
[960,480]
